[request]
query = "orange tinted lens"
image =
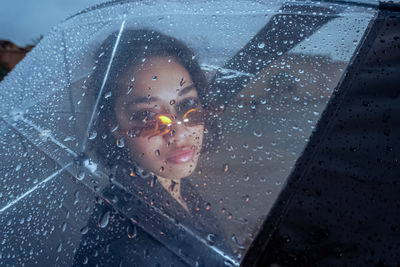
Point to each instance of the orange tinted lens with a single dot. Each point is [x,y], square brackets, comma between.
[193,117]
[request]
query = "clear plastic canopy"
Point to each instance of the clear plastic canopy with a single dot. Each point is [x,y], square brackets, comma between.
[162,132]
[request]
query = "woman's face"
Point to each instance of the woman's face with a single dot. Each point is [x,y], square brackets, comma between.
[150,112]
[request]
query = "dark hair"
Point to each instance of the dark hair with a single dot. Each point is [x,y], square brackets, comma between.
[134,46]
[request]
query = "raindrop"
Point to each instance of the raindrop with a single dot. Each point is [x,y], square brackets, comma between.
[92,135]
[69,138]
[133,79]
[131,230]
[246,198]
[182,82]
[107,95]
[236,242]
[226,167]
[59,248]
[64,227]
[130,88]
[86,260]
[18,167]
[211,239]
[257,134]
[154,78]
[246,178]
[120,143]
[104,219]
[161,169]
[228,263]
[84,230]
[208,206]
[157,153]
[301,71]
[101,54]
[80,176]
[172,102]
[115,128]
[261,45]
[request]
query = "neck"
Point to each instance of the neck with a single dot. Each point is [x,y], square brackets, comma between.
[173,187]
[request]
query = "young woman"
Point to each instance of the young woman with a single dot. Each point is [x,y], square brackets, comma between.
[150,133]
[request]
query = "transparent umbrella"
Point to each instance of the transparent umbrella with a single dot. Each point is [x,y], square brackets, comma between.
[162,132]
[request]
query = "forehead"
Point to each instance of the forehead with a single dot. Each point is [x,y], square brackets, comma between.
[159,78]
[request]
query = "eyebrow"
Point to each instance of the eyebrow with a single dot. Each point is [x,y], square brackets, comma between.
[183,91]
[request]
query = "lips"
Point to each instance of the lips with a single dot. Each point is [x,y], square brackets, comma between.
[181,155]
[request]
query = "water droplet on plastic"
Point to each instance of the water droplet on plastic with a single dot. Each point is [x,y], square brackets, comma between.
[161,169]
[257,134]
[64,227]
[108,95]
[261,45]
[154,78]
[120,143]
[133,79]
[69,138]
[84,230]
[246,178]
[115,128]
[236,242]
[172,102]
[157,153]
[130,89]
[131,230]
[59,248]
[208,206]
[18,167]
[226,167]
[211,239]
[104,219]
[80,176]
[92,135]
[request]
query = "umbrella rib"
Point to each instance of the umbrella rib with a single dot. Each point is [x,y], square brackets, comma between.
[53,175]
[51,138]
[102,87]
[229,73]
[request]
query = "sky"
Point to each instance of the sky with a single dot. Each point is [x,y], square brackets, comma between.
[24,21]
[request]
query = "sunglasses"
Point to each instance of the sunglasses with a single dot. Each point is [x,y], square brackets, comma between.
[150,124]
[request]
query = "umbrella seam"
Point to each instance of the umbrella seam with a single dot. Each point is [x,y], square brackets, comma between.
[102,87]
[53,175]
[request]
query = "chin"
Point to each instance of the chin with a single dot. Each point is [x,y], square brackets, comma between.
[182,172]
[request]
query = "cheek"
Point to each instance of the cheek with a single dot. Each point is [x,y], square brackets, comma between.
[199,134]
[144,149]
